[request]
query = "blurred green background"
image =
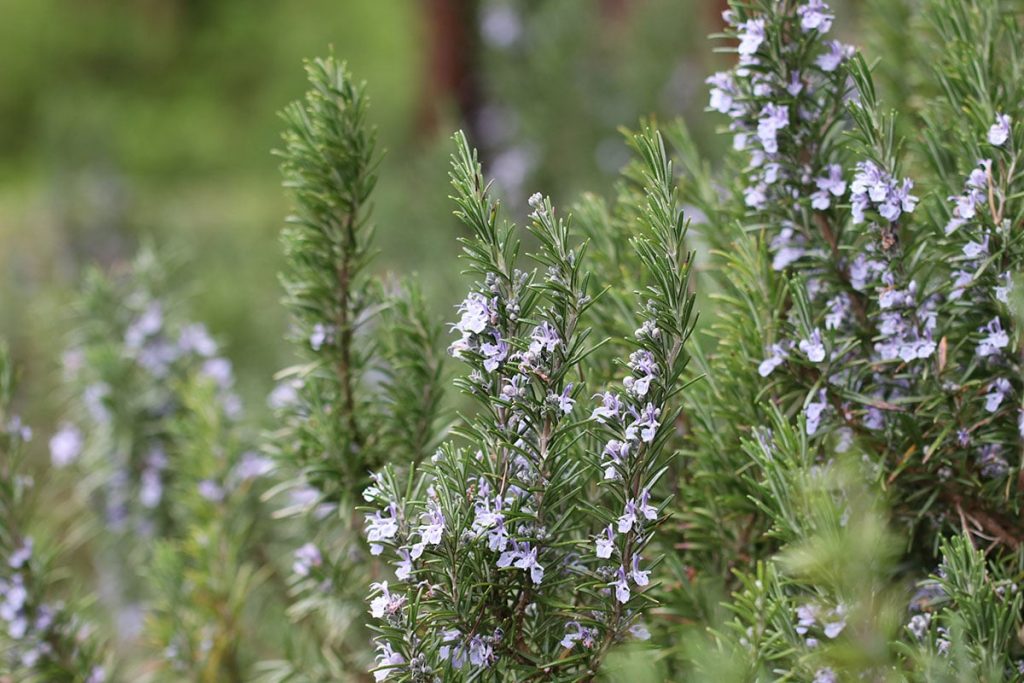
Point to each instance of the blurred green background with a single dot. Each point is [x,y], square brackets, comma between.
[133,121]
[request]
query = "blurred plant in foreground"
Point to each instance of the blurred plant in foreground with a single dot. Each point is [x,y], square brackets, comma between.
[41,639]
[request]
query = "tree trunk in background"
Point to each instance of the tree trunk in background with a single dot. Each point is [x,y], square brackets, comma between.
[451,64]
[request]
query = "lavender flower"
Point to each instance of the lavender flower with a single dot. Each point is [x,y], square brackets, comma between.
[522,556]
[751,35]
[813,413]
[403,568]
[640,577]
[380,528]
[475,314]
[723,91]
[831,185]
[621,585]
[306,558]
[999,133]
[777,355]
[634,513]
[998,391]
[813,347]
[387,658]
[773,119]
[605,543]
[66,445]
[385,603]
[646,423]
[996,339]
[836,55]
[575,633]
[610,407]
[991,463]
[615,453]
[210,490]
[873,188]
[815,16]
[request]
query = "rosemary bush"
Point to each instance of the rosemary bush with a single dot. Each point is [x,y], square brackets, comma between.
[818,483]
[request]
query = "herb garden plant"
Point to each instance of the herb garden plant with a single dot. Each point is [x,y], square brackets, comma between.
[819,480]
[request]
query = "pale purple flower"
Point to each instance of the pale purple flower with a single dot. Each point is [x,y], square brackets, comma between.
[787,247]
[385,602]
[640,577]
[835,623]
[575,633]
[495,353]
[874,419]
[219,370]
[837,53]
[1002,292]
[999,133]
[777,356]
[646,423]
[998,391]
[320,335]
[528,562]
[815,16]
[919,625]
[756,196]
[838,310]
[403,568]
[522,556]
[874,188]
[66,445]
[806,616]
[976,250]
[283,395]
[831,185]
[609,409]
[544,338]
[452,648]
[431,529]
[605,543]
[501,25]
[639,631]
[195,338]
[21,555]
[380,528]
[813,347]
[475,314]
[252,465]
[481,652]
[751,36]
[825,675]
[306,558]
[723,90]
[991,463]
[387,658]
[996,339]
[151,488]
[621,585]
[615,452]
[634,512]
[813,413]
[144,327]
[961,280]
[565,400]
[773,118]
[210,490]
[864,270]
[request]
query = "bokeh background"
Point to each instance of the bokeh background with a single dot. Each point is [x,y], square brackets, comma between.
[126,122]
